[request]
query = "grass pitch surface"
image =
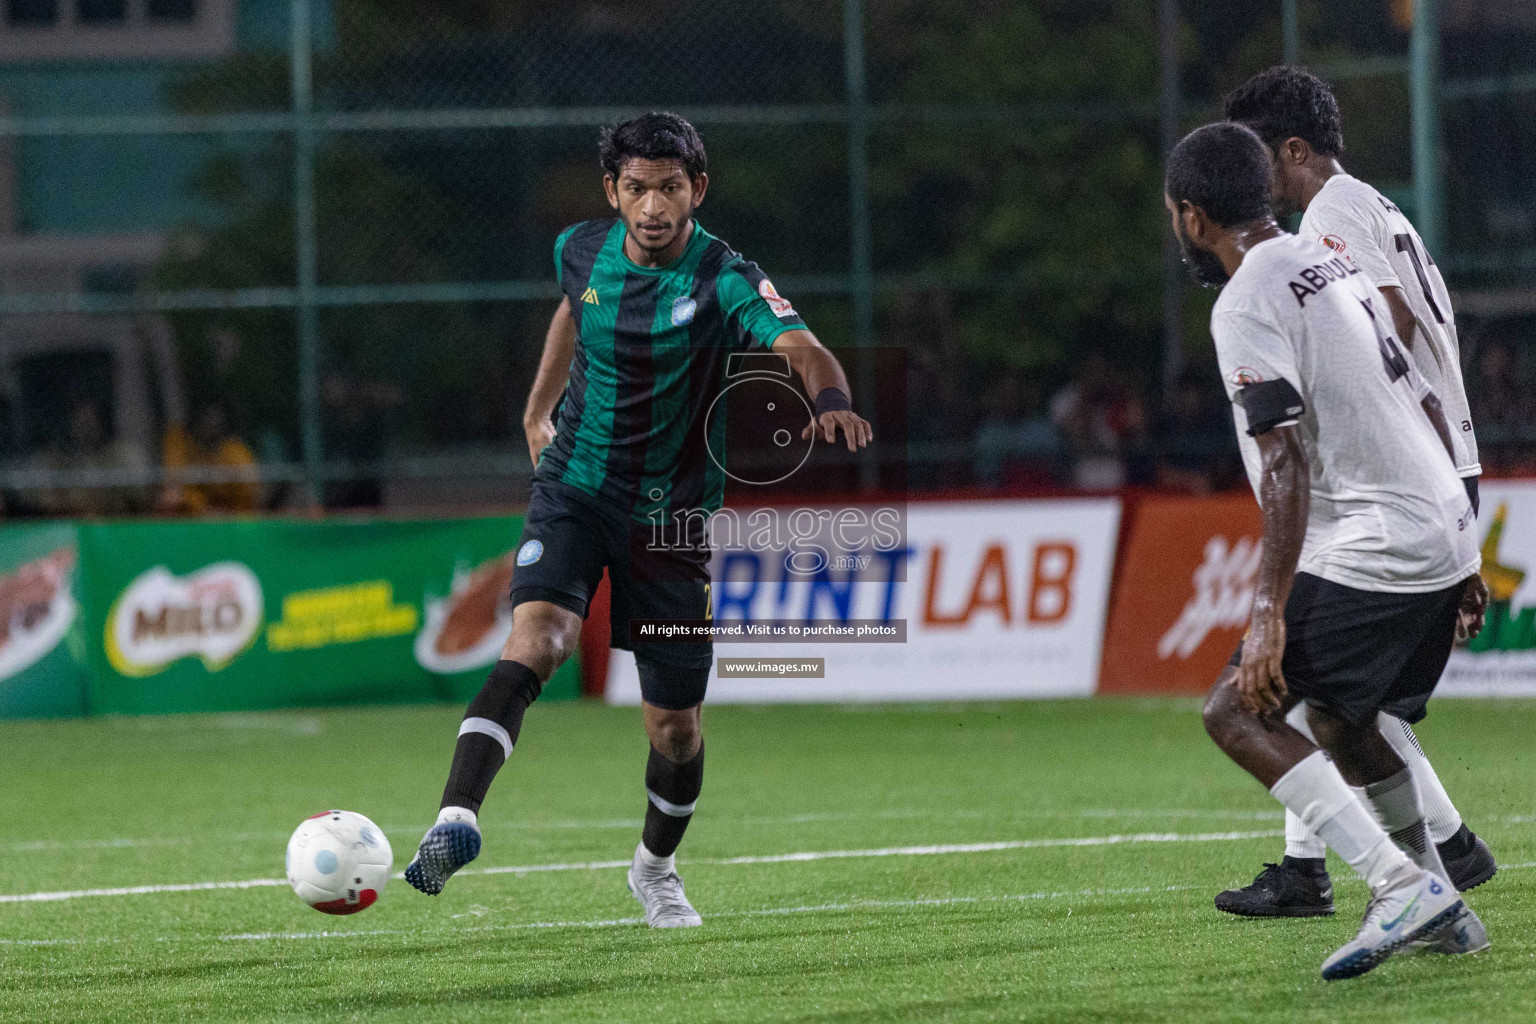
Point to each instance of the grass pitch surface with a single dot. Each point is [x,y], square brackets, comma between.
[1046,861]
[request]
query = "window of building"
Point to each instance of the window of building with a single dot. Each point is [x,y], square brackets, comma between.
[172,10]
[32,13]
[102,12]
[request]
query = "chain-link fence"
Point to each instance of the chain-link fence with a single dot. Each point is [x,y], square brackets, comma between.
[257,252]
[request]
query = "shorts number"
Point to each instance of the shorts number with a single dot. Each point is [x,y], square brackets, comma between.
[1405,244]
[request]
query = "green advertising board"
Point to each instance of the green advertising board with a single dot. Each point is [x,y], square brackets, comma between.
[43,639]
[221,616]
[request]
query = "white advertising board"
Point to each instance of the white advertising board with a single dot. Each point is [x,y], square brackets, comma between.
[1502,661]
[1001,599]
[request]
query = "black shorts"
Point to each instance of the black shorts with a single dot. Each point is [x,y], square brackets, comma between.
[1357,652]
[569,537]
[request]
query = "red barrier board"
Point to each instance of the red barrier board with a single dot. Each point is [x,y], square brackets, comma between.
[1182,594]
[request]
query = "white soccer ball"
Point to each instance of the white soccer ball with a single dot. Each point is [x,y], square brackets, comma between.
[338,862]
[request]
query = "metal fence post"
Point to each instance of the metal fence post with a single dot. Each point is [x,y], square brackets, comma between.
[1290,30]
[861,261]
[1424,87]
[1173,270]
[302,80]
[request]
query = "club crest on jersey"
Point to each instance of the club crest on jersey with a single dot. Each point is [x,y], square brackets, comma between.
[682,311]
[776,302]
[1245,375]
[530,552]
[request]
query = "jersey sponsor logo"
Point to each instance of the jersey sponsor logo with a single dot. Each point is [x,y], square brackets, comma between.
[213,614]
[682,311]
[530,552]
[776,302]
[590,297]
[1244,376]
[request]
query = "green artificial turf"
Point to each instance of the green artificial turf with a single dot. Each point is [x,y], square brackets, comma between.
[1115,932]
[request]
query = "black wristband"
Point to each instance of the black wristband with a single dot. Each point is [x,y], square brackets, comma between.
[832,400]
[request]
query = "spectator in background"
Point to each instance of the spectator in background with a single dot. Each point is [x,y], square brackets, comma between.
[1193,447]
[89,449]
[1016,445]
[1102,422]
[357,430]
[210,444]
[1502,409]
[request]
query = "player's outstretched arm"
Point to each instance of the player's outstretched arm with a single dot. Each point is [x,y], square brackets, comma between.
[827,385]
[1283,498]
[549,382]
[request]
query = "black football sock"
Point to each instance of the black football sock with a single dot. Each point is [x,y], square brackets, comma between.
[489,730]
[672,791]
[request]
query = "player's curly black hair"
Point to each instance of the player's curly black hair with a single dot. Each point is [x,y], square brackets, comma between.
[1223,168]
[1287,102]
[653,136]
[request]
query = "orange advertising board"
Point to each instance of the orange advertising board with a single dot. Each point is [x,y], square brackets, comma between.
[1183,594]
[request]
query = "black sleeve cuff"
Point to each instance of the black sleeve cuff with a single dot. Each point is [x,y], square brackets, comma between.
[1270,404]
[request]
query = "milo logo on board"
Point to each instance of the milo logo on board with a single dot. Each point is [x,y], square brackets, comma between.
[213,614]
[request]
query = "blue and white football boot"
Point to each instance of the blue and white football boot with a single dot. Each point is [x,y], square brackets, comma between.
[448,845]
[1412,905]
[1465,935]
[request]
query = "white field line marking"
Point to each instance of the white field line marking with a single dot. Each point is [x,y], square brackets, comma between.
[216,836]
[139,890]
[625,922]
[778,858]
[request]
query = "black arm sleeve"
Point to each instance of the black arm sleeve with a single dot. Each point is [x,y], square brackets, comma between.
[1270,404]
[1470,483]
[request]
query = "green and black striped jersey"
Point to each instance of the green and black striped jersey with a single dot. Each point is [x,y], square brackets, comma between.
[652,346]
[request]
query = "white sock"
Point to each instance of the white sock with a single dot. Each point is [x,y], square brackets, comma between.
[1396,803]
[457,814]
[1300,841]
[654,865]
[1440,814]
[1319,796]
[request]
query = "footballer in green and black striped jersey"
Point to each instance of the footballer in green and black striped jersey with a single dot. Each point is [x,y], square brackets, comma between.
[635,361]
[651,355]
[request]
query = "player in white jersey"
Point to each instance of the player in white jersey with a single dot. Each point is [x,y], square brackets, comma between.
[1370,547]
[1297,116]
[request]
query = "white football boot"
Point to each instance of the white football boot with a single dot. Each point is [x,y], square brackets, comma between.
[662,896]
[1466,934]
[1412,904]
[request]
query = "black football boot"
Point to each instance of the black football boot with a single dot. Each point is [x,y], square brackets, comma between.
[1467,859]
[1293,888]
